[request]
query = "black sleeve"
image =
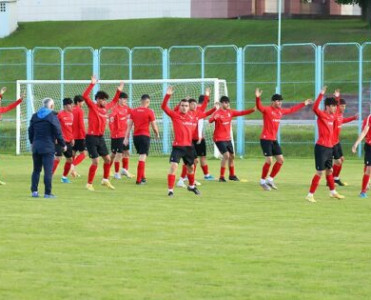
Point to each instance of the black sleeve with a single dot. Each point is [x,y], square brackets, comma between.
[31,131]
[57,130]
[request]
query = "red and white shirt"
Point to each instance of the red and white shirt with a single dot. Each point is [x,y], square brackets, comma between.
[368,135]
[66,120]
[97,116]
[223,122]
[272,118]
[118,121]
[78,123]
[142,118]
[340,120]
[326,123]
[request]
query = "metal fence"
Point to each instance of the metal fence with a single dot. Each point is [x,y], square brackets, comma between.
[297,71]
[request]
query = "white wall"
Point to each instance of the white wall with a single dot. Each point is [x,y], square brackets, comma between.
[68,10]
[271,6]
[351,10]
[8,19]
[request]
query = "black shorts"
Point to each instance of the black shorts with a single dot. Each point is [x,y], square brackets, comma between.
[323,157]
[59,150]
[367,148]
[96,146]
[187,153]
[270,148]
[141,143]
[200,148]
[224,146]
[337,151]
[79,146]
[117,145]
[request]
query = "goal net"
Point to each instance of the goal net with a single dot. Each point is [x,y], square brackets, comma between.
[36,90]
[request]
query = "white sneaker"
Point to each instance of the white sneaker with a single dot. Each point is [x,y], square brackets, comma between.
[181,183]
[117,176]
[126,173]
[197,183]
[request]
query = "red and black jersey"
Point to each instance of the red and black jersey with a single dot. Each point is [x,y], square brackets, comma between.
[118,121]
[272,118]
[326,123]
[340,120]
[97,116]
[142,118]
[78,123]
[66,120]
[184,124]
[223,122]
[368,135]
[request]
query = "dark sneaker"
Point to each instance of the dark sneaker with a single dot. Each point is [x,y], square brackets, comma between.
[340,183]
[144,180]
[140,182]
[170,193]
[233,178]
[194,190]
[222,179]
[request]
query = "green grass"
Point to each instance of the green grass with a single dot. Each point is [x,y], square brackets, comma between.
[233,242]
[167,32]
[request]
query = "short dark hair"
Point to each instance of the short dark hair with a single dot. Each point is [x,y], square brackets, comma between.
[67,101]
[78,98]
[224,99]
[123,95]
[342,101]
[101,95]
[184,100]
[145,97]
[192,100]
[330,101]
[277,97]
[201,99]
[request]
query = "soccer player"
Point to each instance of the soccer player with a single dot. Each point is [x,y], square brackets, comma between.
[118,125]
[268,139]
[323,151]
[141,118]
[184,125]
[222,135]
[5,109]
[366,133]
[198,140]
[338,152]
[96,126]
[79,134]
[65,118]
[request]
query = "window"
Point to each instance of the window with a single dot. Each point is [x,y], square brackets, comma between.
[2,7]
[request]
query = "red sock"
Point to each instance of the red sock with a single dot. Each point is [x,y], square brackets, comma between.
[184,171]
[140,170]
[330,181]
[125,163]
[67,167]
[340,167]
[117,166]
[222,172]
[276,168]
[365,180]
[191,179]
[170,181]
[78,159]
[314,185]
[231,171]
[92,170]
[106,170]
[55,165]
[335,170]
[265,170]
[205,169]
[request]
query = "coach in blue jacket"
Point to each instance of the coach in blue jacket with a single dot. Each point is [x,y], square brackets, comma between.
[43,132]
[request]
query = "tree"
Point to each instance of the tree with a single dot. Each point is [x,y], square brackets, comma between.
[365,6]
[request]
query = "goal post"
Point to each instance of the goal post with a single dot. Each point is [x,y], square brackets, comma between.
[35,91]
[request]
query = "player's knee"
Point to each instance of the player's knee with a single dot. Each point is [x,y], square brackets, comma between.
[280,161]
[226,155]
[268,160]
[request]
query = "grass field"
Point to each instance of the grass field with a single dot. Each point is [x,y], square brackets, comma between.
[233,242]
